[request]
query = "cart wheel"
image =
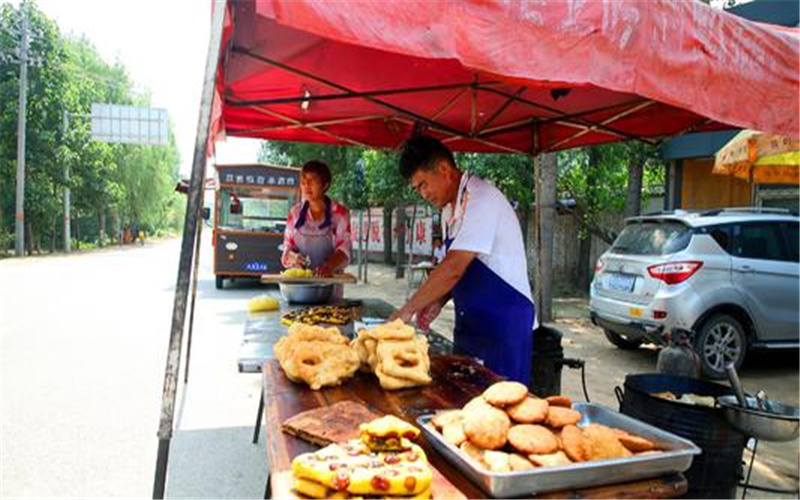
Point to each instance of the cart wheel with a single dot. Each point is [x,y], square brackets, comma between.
[220,282]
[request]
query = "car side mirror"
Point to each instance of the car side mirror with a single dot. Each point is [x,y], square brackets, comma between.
[206,213]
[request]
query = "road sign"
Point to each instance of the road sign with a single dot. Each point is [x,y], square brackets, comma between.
[130,124]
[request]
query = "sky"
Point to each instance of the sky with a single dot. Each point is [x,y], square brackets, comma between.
[163,44]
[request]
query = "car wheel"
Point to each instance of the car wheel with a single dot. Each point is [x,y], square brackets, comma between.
[621,341]
[220,282]
[720,341]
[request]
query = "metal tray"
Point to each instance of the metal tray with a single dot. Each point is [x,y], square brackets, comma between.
[677,458]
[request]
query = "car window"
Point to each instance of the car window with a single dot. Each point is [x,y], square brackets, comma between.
[652,238]
[722,234]
[759,240]
[791,234]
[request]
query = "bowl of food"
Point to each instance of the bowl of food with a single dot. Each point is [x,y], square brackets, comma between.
[306,293]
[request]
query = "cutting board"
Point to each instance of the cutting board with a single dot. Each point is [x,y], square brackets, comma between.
[313,280]
[329,424]
[282,486]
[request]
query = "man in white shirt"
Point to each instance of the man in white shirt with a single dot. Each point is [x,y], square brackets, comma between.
[484,270]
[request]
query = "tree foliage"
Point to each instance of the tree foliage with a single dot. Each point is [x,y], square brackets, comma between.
[596,178]
[131,184]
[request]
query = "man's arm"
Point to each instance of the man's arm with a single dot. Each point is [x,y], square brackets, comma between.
[439,284]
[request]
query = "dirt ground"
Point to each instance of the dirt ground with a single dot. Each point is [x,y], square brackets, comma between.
[606,366]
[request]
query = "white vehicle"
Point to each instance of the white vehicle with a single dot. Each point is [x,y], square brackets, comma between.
[729,275]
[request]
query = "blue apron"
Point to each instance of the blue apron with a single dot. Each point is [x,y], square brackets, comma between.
[494,322]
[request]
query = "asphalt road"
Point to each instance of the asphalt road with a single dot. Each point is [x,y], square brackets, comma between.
[84,340]
[84,343]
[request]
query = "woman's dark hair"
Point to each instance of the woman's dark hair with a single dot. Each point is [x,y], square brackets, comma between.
[320,169]
[423,152]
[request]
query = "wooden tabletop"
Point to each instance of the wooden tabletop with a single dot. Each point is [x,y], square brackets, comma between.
[456,380]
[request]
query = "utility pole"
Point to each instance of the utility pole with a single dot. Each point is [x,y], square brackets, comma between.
[67,240]
[19,220]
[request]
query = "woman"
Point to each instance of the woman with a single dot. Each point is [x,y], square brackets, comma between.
[318,229]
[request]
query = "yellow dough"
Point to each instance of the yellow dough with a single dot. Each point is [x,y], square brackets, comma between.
[263,303]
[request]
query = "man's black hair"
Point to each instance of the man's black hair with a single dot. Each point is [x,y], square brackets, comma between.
[320,169]
[423,152]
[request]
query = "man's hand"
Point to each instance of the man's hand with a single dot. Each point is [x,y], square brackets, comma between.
[426,315]
[404,313]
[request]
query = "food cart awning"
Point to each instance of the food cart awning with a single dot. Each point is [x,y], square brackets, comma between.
[499,76]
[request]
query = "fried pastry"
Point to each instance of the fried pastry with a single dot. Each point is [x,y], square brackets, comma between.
[518,462]
[394,330]
[550,460]
[528,411]
[563,401]
[315,355]
[636,444]
[487,427]
[532,439]
[497,461]
[476,403]
[398,359]
[558,417]
[603,443]
[444,417]
[573,443]
[453,433]
[505,393]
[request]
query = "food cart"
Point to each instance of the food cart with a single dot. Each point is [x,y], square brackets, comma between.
[493,76]
[251,204]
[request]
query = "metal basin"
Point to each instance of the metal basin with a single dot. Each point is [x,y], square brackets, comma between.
[779,422]
[306,293]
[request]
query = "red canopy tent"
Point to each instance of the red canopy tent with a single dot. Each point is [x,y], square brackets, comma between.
[526,76]
[491,75]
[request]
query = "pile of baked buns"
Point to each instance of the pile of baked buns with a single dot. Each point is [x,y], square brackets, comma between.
[383,463]
[397,356]
[507,429]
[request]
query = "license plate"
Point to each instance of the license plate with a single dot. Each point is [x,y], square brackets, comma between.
[619,282]
[635,312]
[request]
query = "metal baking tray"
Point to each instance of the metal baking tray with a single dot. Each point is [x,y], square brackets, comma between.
[677,458]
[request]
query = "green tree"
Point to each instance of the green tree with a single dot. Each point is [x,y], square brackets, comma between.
[596,178]
[47,81]
[132,183]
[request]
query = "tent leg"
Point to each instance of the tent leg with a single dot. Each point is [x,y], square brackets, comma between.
[268,486]
[257,428]
[194,290]
[546,208]
[161,468]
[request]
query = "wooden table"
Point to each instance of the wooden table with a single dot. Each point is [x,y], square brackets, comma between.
[456,380]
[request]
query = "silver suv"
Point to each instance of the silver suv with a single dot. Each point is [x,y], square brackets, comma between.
[729,275]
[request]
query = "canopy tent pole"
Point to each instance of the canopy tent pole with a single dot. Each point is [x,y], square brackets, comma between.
[546,204]
[195,272]
[544,188]
[196,186]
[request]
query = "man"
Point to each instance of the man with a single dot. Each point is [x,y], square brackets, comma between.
[484,270]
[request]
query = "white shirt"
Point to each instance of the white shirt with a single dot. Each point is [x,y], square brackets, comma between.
[439,254]
[484,222]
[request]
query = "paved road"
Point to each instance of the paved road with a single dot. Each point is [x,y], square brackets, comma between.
[84,341]
[83,346]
